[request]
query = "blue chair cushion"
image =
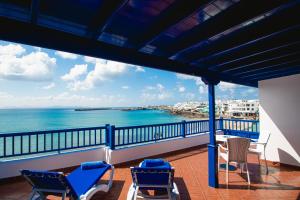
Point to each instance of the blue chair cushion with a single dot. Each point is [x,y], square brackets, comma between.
[80,181]
[160,163]
[92,165]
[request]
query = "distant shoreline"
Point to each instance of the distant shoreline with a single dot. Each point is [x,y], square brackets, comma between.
[92,109]
[168,109]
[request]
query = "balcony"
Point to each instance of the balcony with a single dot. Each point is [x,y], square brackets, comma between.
[191,175]
[182,143]
[241,43]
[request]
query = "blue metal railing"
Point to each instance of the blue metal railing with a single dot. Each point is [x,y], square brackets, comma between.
[242,128]
[20,144]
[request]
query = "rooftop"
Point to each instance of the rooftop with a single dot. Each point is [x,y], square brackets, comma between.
[191,175]
[229,40]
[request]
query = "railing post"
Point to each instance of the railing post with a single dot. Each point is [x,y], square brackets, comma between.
[221,123]
[107,127]
[183,128]
[58,145]
[112,137]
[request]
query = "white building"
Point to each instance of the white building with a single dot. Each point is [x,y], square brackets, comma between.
[242,108]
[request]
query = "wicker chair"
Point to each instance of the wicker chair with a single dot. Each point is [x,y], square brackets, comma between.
[236,151]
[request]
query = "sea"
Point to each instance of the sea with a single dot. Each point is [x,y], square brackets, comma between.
[22,120]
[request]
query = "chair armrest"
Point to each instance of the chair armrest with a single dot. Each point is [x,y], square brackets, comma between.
[258,143]
[221,147]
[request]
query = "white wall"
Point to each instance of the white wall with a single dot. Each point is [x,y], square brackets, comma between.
[280,116]
[142,151]
[11,168]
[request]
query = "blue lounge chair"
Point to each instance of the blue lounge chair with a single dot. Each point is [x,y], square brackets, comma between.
[79,184]
[153,174]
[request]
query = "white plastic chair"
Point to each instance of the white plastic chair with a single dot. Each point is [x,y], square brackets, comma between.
[236,151]
[259,148]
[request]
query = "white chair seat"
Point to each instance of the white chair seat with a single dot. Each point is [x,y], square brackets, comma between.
[254,151]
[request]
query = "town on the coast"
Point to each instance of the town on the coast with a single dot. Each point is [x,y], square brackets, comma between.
[243,109]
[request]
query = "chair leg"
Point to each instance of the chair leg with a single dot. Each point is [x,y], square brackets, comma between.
[111,177]
[267,172]
[227,166]
[218,161]
[241,166]
[131,192]
[247,173]
[169,194]
[64,195]
[136,192]
[266,166]
[32,195]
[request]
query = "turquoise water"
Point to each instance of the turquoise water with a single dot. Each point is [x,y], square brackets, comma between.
[19,120]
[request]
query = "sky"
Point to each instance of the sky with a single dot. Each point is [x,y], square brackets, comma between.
[33,77]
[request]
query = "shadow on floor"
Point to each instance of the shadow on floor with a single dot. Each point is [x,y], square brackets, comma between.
[182,188]
[186,155]
[114,192]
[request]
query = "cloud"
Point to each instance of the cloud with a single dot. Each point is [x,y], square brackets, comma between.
[5,95]
[249,91]
[93,60]
[181,89]
[156,92]
[75,73]
[189,96]
[50,86]
[150,87]
[101,73]
[125,87]
[66,55]
[16,65]
[11,50]
[224,86]
[202,87]
[38,48]
[153,77]
[160,87]
[185,77]
[139,69]
[64,99]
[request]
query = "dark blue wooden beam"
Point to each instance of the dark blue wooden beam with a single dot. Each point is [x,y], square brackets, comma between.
[269,72]
[283,58]
[169,17]
[266,43]
[261,30]
[34,11]
[254,72]
[103,16]
[221,22]
[277,74]
[259,56]
[212,146]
